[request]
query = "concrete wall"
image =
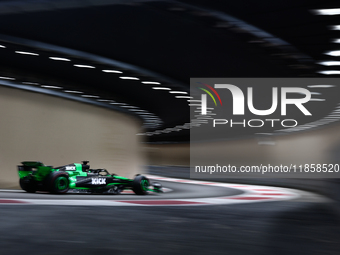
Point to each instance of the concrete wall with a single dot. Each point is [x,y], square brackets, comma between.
[58,131]
[168,154]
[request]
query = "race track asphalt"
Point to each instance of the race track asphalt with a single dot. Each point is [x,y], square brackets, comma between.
[298,226]
[178,190]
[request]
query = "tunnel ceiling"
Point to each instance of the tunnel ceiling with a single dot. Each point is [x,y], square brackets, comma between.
[138,56]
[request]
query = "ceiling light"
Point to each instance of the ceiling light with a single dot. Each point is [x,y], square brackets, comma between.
[118,103]
[191,100]
[73,91]
[178,92]
[320,86]
[336,40]
[27,53]
[334,11]
[334,53]
[60,59]
[130,106]
[330,72]
[336,27]
[151,82]
[50,87]
[84,66]
[128,78]
[30,83]
[2,46]
[183,97]
[111,71]
[194,104]
[161,88]
[329,63]
[104,100]
[6,78]
[90,96]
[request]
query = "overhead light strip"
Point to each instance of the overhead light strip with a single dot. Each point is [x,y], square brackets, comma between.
[333,11]
[27,53]
[90,96]
[84,66]
[128,78]
[329,63]
[161,88]
[111,71]
[321,86]
[50,87]
[178,92]
[7,78]
[151,82]
[329,72]
[333,53]
[73,91]
[183,97]
[59,59]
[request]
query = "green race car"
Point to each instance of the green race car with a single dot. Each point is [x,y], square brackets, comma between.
[79,178]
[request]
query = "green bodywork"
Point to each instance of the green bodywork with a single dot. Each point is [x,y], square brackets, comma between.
[37,172]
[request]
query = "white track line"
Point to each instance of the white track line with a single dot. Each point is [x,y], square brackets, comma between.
[251,194]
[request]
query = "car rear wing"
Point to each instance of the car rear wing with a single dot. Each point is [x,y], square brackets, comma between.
[29,165]
[36,168]
[32,163]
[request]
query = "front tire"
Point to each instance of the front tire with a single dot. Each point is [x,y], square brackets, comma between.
[58,183]
[140,185]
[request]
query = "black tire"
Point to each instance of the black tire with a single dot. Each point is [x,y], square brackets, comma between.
[140,185]
[28,186]
[58,182]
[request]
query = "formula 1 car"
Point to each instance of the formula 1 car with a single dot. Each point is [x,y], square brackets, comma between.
[79,178]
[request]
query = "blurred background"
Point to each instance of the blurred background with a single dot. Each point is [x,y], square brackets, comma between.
[109,81]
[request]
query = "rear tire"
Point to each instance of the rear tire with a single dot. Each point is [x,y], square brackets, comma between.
[140,185]
[58,182]
[29,186]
